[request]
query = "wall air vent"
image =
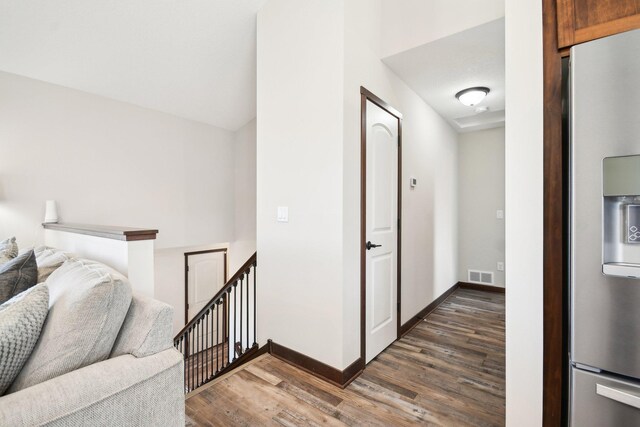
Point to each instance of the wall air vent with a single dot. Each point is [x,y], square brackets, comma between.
[481,277]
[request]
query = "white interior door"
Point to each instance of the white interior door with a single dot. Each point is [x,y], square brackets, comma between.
[205,278]
[206,275]
[381,229]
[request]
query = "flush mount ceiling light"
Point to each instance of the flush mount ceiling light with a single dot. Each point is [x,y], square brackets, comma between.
[472,96]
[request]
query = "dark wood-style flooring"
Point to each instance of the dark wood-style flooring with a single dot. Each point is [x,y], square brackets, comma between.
[448,370]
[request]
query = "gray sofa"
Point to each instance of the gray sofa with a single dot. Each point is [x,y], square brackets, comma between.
[81,376]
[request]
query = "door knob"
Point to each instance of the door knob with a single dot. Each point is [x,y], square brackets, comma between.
[370,245]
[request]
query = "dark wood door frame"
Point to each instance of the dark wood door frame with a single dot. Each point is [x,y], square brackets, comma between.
[555,356]
[186,275]
[365,96]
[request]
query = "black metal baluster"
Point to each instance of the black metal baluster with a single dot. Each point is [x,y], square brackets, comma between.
[217,305]
[197,384]
[248,271]
[184,361]
[222,332]
[218,365]
[214,340]
[193,357]
[225,323]
[202,353]
[203,350]
[235,326]
[255,299]
[214,309]
[184,358]
[206,348]
[214,312]
[220,336]
[241,282]
[187,343]
[217,309]
[217,340]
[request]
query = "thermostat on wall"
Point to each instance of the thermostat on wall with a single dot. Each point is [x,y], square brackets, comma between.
[413,182]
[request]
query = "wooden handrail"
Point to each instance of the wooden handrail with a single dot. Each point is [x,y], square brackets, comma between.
[251,262]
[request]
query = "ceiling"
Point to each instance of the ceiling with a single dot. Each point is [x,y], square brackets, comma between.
[440,69]
[192,58]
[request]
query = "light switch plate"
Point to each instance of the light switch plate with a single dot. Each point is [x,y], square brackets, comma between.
[500,266]
[283,214]
[500,214]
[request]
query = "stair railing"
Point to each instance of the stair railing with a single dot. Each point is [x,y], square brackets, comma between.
[223,334]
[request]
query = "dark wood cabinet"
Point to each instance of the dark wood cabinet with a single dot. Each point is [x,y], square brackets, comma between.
[583,20]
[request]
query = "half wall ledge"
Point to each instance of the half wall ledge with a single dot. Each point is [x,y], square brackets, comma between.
[105,231]
[128,250]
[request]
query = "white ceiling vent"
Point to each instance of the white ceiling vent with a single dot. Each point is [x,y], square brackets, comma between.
[481,277]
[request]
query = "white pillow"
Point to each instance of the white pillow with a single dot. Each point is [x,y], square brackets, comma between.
[88,303]
[49,260]
[21,320]
[8,250]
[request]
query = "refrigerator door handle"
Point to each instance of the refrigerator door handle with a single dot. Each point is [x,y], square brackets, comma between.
[623,396]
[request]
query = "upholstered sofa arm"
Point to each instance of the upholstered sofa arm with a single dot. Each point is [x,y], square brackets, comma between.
[147,329]
[125,390]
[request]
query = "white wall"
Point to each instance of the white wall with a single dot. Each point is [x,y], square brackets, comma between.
[312,60]
[429,153]
[299,165]
[169,262]
[480,194]
[411,23]
[108,162]
[112,163]
[244,243]
[524,211]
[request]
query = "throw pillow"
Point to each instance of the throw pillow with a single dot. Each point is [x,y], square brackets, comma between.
[8,250]
[49,260]
[21,320]
[88,302]
[18,275]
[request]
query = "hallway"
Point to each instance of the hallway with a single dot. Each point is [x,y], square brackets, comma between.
[448,370]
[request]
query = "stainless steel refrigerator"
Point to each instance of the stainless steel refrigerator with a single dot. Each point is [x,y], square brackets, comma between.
[605,232]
